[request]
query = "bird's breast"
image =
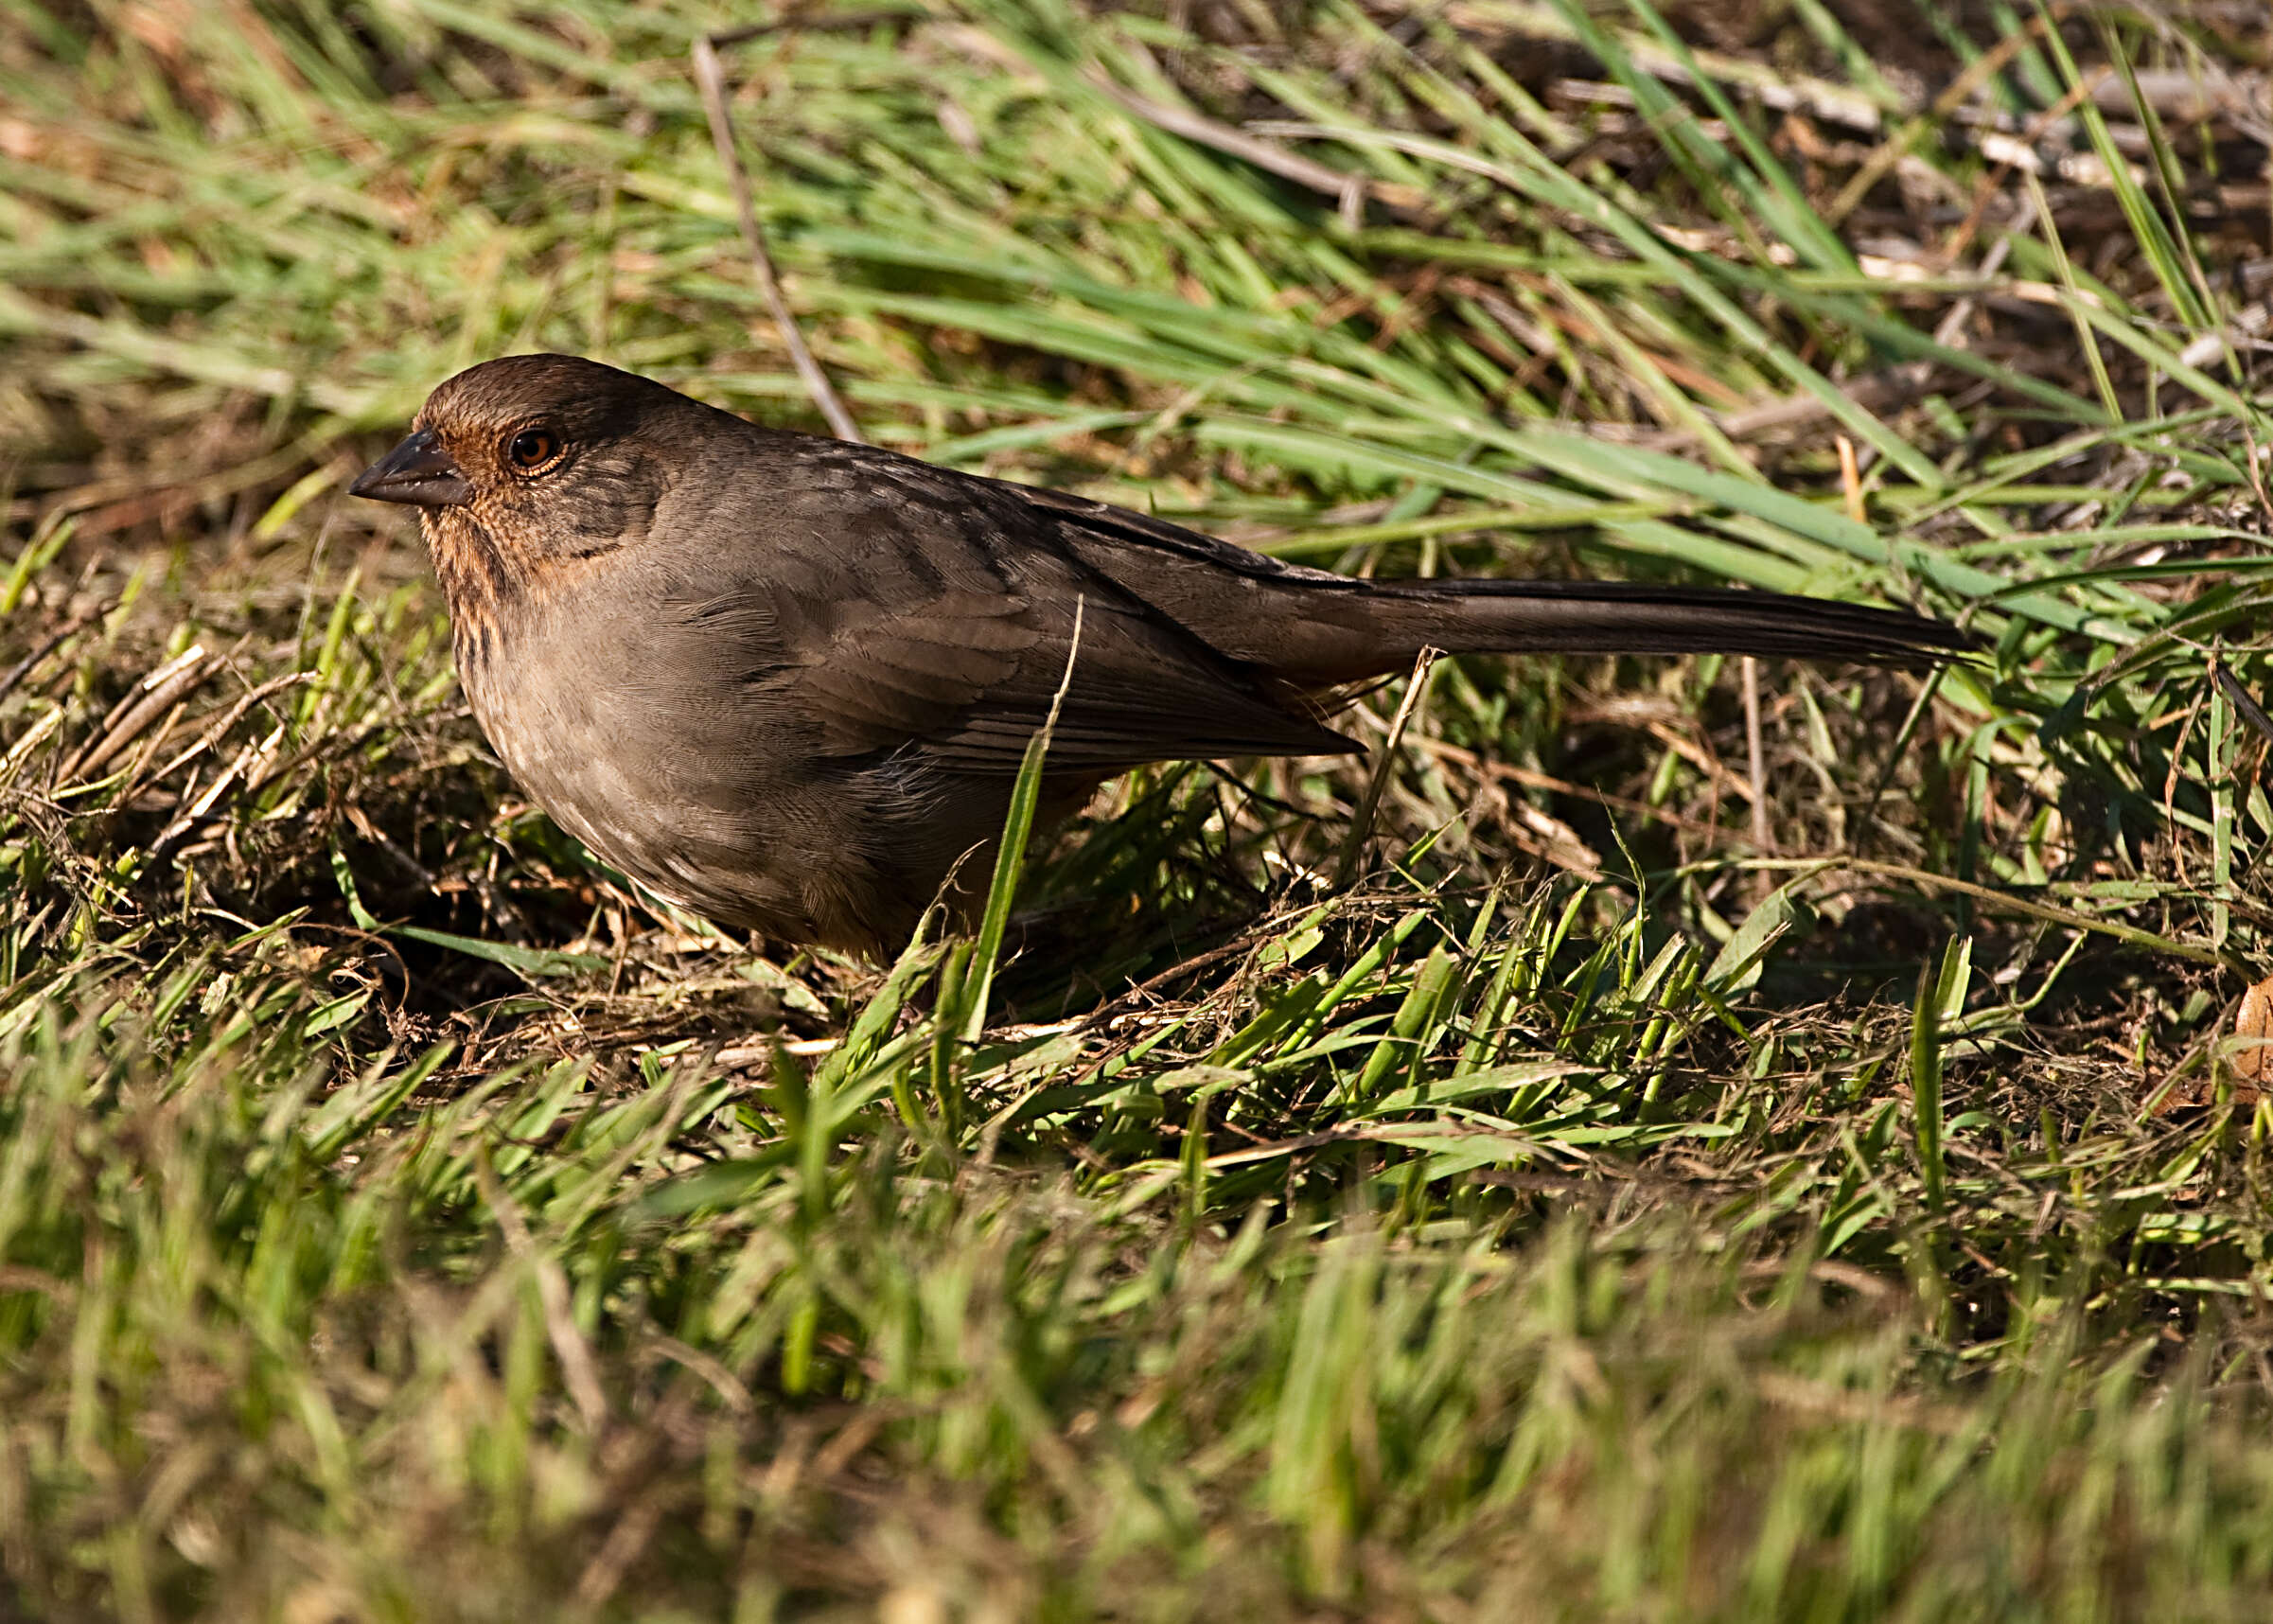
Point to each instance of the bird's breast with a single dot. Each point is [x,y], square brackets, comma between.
[560,714]
[583,703]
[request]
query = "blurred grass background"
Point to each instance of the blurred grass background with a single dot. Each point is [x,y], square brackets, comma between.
[1682,1179]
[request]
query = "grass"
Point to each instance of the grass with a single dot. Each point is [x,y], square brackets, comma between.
[1638,1195]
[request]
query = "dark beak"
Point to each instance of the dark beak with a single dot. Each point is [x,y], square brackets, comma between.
[419,472]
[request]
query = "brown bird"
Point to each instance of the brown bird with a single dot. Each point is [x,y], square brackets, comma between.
[787,682]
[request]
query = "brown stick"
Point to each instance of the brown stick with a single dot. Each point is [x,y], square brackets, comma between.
[1361,821]
[711,82]
[150,698]
[1349,191]
[1756,763]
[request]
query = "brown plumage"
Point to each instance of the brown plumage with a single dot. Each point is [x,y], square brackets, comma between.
[787,682]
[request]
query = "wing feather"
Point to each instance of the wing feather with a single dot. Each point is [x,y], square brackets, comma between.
[871,656]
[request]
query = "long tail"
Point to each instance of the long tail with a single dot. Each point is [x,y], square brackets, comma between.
[1634,617]
[1308,626]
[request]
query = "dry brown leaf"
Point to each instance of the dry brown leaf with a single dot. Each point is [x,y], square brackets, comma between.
[2253,1037]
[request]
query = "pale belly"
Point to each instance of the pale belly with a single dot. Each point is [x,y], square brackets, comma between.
[686,803]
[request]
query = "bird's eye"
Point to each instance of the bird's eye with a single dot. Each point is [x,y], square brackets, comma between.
[532,448]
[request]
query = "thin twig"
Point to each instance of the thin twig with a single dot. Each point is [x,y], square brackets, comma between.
[247,761]
[711,82]
[145,703]
[2128,934]
[1136,993]
[1485,768]
[1361,821]
[1349,191]
[1776,87]
[2240,697]
[1850,480]
[1895,384]
[1756,762]
[229,718]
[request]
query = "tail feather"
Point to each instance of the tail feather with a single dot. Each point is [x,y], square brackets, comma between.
[1637,617]
[1320,631]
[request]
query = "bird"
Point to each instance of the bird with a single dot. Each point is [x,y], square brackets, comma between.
[787,682]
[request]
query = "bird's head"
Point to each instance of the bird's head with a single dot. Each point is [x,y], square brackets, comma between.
[527,464]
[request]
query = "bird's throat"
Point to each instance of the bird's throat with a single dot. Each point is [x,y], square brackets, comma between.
[485,583]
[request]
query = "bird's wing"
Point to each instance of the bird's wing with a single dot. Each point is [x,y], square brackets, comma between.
[1312,629]
[1101,522]
[893,624]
